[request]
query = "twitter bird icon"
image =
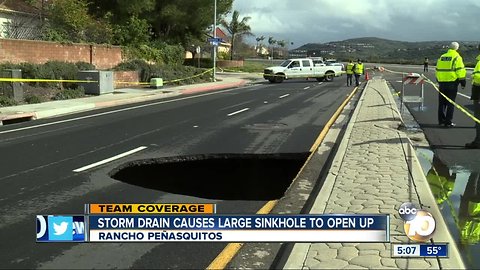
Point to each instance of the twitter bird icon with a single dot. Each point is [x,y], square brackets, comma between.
[60,228]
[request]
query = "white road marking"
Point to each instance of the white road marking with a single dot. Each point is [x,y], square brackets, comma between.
[116,111]
[284,96]
[320,83]
[237,112]
[306,88]
[84,168]
[463,95]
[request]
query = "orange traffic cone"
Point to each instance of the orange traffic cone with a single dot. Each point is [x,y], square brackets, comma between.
[366,76]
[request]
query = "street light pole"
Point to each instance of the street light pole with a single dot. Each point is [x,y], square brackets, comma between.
[215,37]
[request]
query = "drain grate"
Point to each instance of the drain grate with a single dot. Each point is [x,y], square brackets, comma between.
[216,176]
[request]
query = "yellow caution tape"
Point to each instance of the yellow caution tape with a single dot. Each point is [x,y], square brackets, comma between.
[92,81]
[43,80]
[198,75]
[438,90]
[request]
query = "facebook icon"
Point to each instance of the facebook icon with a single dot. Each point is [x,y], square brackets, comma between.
[60,228]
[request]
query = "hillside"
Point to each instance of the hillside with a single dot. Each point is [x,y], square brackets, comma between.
[372,49]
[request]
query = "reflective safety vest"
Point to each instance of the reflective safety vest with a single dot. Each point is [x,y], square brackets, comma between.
[450,67]
[470,229]
[358,68]
[476,73]
[350,68]
[440,186]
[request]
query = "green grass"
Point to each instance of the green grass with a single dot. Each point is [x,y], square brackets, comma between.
[254,66]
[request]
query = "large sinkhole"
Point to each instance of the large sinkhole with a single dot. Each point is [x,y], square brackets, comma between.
[216,176]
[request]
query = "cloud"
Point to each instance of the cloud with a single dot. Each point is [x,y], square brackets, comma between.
[327,20]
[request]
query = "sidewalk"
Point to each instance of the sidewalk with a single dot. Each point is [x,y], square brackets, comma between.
[374,171]
[119,97]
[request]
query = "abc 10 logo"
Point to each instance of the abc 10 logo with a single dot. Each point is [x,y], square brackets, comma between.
[419,224]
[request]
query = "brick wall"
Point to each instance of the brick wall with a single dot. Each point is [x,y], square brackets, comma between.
[125,78]
[229,63]
[39,52]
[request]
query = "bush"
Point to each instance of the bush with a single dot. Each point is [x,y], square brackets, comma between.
[160,53]
[70,94]
[141,66]
[85,66]
[32,99]
[167,72]
[62,71]
[204,62]
[6,101]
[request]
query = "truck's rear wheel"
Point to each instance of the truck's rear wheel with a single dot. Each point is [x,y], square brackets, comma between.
[271,80]
[320,79]
[329,76]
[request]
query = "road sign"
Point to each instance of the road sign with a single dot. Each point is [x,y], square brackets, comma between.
[215,40]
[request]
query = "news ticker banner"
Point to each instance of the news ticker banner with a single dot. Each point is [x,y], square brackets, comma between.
[420,250]
[217,228]
[153,208]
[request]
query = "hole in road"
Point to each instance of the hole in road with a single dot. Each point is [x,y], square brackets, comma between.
[216,176]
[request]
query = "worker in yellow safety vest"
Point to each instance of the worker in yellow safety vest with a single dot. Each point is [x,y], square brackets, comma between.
[475,97]
[358,71]
[349,71]
[469,212]
[450,72]
[440,180]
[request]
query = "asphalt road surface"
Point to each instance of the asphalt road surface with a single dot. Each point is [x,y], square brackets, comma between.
[43,165]
[447,143]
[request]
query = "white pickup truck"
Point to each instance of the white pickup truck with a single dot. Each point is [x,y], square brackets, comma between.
[302,68]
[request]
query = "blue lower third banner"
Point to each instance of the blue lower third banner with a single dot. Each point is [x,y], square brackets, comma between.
[239,228]
[61,228]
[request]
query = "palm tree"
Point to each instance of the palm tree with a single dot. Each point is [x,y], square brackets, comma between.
[282,43]
[272,42]
[259,39]
[236,27]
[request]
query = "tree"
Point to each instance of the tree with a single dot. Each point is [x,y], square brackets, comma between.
[179,21]
[272,43]
[259,49]
[133,22]
[236,27]
[282,43]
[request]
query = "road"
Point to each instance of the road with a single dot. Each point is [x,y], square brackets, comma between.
[45,166]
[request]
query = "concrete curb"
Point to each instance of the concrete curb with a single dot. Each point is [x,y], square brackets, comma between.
[62,111]
[299,252]
[214,87]
[113,103]
[9,117]
[296,198]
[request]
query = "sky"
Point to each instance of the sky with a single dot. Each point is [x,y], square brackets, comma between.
[320,21]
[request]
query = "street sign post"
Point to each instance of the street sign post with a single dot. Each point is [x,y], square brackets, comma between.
[198,50]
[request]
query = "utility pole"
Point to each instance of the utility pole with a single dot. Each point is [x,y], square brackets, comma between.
[214,36]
